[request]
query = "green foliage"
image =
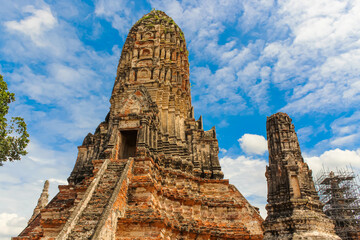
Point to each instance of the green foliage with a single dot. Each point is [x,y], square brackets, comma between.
[182,35]
[147,17]
[13,134]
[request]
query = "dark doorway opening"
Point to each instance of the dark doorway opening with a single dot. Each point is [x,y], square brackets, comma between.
[127,144]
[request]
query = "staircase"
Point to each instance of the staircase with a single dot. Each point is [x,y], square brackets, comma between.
[89,218]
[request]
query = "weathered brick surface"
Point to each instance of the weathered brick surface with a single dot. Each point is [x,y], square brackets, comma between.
[172,205]
[50,220]
[294,209]
[172,186]
[90,216]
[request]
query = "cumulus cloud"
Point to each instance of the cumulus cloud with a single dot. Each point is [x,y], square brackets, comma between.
[223,150]
[309,50]
[34,26]
[320,62]
[248,175]
[58,181]
[253,144]
[10,225]
[346,130]
[121,13]
[62,88]
[334,159]
[22,183]
[63,76]
[343,132]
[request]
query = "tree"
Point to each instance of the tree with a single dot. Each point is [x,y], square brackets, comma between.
[13,134]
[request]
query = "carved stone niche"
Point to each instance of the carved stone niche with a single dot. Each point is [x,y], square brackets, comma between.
[144,63]
[143,75]
[148,35]
[146,53]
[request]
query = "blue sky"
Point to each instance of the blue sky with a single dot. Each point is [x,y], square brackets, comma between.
[248,60]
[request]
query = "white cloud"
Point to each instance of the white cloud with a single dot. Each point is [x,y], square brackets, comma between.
[304,134]
[308,50]
[248,175]
[119,13]
[333,159]
[69,81]
[10,225]
[34,26]
[62,88]
[22,183]
[344,132]
[253,144]
[223,123]
[343,141]
[60,84]
[223,150]
[58,181]
[210,88]
[346,125]
[319,63]
[255,12]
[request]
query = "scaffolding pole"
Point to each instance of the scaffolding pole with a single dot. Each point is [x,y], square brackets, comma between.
[339,191]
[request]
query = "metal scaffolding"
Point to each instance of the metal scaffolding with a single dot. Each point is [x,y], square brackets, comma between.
[339,191]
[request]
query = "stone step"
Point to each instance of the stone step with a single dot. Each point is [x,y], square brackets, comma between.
[98,202]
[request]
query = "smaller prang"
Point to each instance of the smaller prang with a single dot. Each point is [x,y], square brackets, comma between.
[294,209]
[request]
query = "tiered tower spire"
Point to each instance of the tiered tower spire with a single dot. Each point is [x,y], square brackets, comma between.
[294,209]
[149,171]
[151,96]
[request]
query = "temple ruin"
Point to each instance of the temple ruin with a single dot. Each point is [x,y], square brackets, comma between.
[150,170]
[294,209]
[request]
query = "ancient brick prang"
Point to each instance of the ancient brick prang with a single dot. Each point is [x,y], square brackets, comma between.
[294,209]
[152,93]
[149,171]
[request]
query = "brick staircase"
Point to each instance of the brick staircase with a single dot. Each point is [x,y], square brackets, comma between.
[89,218]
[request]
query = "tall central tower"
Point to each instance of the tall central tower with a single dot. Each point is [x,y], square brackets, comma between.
[151,105]
[149,171]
